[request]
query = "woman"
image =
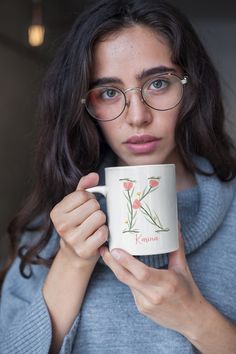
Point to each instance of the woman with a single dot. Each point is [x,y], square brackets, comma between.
[97,110]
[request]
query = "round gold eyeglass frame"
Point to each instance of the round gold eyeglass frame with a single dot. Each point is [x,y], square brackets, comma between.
[183,81]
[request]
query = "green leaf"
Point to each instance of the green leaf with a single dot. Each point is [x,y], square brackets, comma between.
[148,208]
[158,218]
[154,177]
[150,221]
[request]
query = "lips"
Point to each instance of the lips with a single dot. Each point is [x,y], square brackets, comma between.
[141,139]
[142,144]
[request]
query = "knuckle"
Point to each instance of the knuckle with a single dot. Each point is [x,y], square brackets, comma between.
[83,196]
[93,203]
[172,274]
[173,283]
[82,252]
[122,276]
[104,229]
[101,217]
[79,250]
[102,234]
[62,228]
[54,212]
[157,299]
[144,274]
[171,288]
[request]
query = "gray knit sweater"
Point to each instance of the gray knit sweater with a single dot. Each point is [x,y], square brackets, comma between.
[109,321]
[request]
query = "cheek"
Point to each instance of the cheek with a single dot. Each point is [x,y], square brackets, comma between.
[109,131]
[166,127]
[170,123]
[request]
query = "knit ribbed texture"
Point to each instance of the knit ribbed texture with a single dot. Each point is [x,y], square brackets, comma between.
[30,331]
[67,345]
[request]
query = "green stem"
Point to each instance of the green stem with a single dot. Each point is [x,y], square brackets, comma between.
[143,196]
[131,208]
[150,216]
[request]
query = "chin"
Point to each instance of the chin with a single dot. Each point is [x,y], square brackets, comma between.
[142,160]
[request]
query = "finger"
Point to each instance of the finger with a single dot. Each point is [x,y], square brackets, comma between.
[88,181]
[91,246]
[151,292]
[74,200]
[177,259]
[87,228]
[139,270]
[140,300]
[79,214]
[122,274]
[145,303]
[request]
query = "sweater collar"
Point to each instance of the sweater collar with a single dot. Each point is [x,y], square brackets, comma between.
[215,199]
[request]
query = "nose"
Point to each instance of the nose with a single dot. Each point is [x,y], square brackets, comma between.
[137,112]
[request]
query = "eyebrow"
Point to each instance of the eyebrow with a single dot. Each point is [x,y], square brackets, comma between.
[144,74]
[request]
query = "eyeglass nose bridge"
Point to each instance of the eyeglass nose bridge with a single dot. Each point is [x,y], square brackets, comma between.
[133,89]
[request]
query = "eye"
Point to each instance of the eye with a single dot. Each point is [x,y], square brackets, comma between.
[109,93]
[158,84]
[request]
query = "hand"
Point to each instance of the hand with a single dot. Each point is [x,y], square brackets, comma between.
[80,223]
[168,297]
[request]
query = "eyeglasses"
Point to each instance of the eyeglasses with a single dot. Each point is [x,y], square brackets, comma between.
[162,92]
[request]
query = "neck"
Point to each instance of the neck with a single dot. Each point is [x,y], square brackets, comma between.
[184,179]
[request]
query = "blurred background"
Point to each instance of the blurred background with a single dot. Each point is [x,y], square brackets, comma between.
[23,65]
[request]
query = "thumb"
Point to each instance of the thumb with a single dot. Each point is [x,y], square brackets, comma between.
[177,259]
[88,181]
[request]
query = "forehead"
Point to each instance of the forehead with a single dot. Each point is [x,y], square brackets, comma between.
[129,52]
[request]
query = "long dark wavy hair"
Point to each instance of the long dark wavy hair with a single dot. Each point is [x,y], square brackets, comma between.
[70,143]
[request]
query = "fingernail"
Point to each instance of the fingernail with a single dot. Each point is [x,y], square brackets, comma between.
[116,254]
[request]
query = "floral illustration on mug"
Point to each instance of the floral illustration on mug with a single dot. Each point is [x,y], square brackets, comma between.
[129,186]
[137,204]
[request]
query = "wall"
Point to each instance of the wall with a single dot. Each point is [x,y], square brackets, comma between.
[218,35]
[20,75]
[18,86]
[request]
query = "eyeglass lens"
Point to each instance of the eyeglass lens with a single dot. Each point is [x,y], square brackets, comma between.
[160,93]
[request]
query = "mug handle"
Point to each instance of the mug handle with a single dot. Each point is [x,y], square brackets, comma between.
[98,189]
[102,190]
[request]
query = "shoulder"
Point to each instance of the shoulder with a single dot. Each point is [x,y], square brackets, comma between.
[232,208]
[35,233]
[18,285]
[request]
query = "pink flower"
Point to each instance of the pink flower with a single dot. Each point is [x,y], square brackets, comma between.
[136,204]
[153,183]
[127,185]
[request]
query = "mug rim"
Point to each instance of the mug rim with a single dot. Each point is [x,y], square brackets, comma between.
[140,166]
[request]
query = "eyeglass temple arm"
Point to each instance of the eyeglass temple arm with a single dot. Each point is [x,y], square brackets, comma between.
[184,80]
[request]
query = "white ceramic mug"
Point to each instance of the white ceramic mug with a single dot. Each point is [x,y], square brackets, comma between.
[141,208]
